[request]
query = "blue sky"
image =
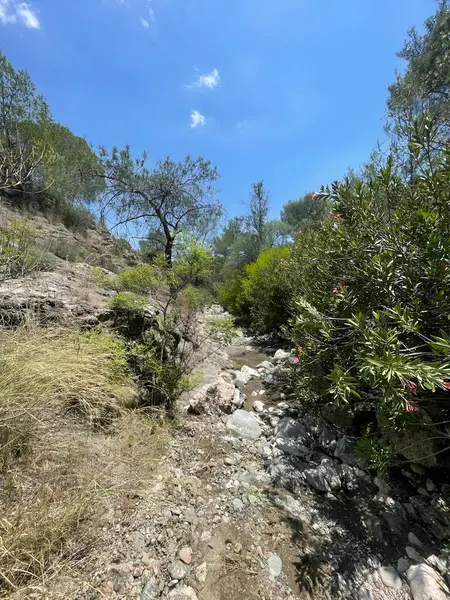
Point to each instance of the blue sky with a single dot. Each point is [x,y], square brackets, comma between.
[289,91]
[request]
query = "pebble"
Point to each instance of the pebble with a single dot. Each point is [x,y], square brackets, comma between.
[274,565]
[258,406]
[182,593]
[238,504]
[178,570]
[149,591]
[201,572]
[185,555]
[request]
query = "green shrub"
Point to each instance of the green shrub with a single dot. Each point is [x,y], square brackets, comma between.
[121,246]
[68,250]
[193,298]
[140,279]
[20,252]
[127,302]
[266,290]
[370,296]
[77,218]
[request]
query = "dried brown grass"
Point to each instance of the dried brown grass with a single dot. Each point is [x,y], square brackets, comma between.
[59,473]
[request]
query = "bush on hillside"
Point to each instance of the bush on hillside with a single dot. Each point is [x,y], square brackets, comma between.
[20,252]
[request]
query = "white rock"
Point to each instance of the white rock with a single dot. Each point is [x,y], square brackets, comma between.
[244,425]
[201,572]
[182,593]
[239,398]
[281,355]
[266,365]
[258,406]
[274,565]
[390,578]
[324,478]
[426,584]
[249,372]
[283,405]
[262,392]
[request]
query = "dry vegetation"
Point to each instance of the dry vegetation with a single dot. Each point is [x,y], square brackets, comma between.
[71,446]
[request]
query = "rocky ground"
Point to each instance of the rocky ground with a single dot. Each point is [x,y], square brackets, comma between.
[254,500]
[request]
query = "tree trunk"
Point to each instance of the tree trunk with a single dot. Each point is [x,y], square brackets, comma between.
[168,251]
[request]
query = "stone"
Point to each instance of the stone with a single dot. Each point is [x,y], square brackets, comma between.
[383,488]
[418,469]
[268,366]
[185,555]
[403,565]
[138,541]
[414,540]
[201,573]
[390,578]
[275,566]
[281,356]
[288,428]
[291,447]
[324,478]
[437,563]
[258,406]
[426,584]
[413,554]
[396,522]
[345,451]
[244,425]
[182,593]
[149,591]
[341,416]
[238,399]
[250,373]
[213,398]
[238,504]
[178,570]
[431,486]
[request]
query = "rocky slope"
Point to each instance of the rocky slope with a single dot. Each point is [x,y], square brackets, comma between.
[254,500]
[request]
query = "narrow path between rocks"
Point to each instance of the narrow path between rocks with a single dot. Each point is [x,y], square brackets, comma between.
[257,502]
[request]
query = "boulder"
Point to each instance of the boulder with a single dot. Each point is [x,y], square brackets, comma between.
[426,584]
[289,428]
[244,425]
[215,398]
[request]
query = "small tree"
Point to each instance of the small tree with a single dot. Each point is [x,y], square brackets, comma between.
[305,211]
[172,198]
[258,213]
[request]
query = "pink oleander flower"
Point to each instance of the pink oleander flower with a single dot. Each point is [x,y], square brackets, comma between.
[446,384]
[411,407]
[410,387]
[296,360]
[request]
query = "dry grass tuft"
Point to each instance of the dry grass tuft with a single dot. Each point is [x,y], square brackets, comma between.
[58,473]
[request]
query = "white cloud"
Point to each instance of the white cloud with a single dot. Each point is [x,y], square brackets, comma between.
[13,12]
[27,16]
[151,12]
[197,119]
[211,80]
[145,23]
